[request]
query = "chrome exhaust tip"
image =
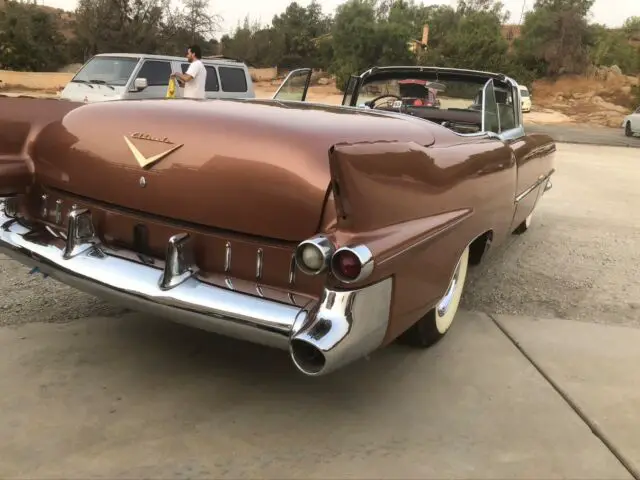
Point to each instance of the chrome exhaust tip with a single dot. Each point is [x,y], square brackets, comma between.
[345,326]
[307,358]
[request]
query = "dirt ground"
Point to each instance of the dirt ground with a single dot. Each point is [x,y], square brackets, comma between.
[603,98]
[578,261]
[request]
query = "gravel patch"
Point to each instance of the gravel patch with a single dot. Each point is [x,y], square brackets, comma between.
[579,260]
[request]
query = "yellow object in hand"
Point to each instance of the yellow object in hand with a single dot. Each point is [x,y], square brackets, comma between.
[171,89]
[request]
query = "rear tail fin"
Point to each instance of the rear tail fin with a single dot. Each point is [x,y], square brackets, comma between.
[21,120]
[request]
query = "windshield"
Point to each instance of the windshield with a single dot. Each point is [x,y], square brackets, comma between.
[417,92]
[456,102]
[108,70]
[524,93]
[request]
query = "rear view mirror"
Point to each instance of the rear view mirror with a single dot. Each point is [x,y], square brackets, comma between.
[140,84]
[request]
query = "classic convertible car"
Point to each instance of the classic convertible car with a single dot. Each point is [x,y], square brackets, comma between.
[328,231]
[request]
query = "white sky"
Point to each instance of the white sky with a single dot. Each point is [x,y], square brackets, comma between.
[610,12]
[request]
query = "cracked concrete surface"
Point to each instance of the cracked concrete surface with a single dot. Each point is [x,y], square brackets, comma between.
[135,396]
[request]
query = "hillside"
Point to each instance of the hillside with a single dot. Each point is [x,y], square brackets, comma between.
[64,18]
[604,97]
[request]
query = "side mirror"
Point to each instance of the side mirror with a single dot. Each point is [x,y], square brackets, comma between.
[140,84]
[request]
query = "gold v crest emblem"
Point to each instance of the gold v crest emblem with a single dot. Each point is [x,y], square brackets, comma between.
[148,162]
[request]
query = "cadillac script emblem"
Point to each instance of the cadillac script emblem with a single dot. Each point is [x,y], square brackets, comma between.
[148,162]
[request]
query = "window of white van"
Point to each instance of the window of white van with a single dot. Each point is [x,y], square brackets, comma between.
[233,79]
[211,85]
[524,93]
[110,70]
[157,72]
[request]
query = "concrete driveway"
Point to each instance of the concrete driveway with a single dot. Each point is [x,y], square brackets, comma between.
[138,397]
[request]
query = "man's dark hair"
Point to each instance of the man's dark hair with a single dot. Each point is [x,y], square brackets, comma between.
[195,49]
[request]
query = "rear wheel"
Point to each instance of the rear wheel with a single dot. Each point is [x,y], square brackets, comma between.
[627,129]
[437,322]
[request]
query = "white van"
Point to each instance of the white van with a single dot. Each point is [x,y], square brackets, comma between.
[525,97]
[120,76]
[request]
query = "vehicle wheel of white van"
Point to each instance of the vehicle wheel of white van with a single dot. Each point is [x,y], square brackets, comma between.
[627,130]
[437,322]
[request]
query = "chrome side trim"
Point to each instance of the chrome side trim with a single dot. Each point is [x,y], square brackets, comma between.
[538,182]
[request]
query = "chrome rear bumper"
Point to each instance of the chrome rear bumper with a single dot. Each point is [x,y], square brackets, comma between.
[322,337]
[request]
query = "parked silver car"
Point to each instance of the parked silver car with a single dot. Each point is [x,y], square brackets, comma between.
[119,76]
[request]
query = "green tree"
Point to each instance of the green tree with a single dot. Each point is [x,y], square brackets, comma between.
[254,44]
[366,33]
[612,47]
[632,27]
[119,26]
[29,38]
[556,38]
[300,28]
[468,37]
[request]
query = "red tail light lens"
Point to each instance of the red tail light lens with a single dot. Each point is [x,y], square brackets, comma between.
[352,264]
[346,264]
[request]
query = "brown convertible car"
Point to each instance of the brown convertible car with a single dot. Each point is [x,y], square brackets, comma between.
[328,231]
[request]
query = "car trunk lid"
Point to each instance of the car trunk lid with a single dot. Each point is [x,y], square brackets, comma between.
[259,168]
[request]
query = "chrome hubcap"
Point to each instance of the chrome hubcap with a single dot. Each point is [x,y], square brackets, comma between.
[444,304]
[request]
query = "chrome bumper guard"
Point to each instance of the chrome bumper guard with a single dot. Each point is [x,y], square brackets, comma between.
[342,327]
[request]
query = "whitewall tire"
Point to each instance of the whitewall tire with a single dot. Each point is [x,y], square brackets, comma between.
[437,322]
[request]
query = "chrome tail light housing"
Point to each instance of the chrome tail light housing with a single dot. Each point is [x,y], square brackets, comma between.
[313,256]
[347,264]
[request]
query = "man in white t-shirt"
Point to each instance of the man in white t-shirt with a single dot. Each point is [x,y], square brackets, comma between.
[195,78]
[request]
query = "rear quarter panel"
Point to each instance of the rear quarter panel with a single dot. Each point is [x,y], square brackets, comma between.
[21,120]
[417,208]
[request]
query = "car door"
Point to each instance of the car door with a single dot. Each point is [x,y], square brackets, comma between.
[157,73]
[503,119]
[295,86]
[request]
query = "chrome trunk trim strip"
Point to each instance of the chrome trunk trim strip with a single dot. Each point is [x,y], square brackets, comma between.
[227,257]
[259,262]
